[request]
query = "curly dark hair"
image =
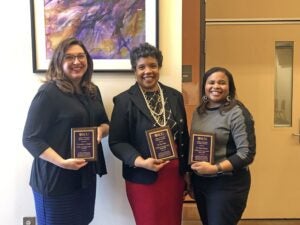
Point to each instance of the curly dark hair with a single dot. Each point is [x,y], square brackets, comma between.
[145,50]
[56,74]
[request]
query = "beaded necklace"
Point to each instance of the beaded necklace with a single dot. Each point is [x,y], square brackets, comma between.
[162,112]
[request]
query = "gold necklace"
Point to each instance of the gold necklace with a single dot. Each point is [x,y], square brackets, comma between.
[154,114]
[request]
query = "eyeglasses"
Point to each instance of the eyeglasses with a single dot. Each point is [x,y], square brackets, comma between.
[71,58]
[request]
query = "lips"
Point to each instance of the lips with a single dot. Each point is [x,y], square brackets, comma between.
[216,93]
[77,69]
[148,78]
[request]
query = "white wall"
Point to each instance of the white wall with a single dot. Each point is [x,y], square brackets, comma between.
[18,87]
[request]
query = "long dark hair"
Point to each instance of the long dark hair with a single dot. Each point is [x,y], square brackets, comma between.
[56,74]
[232,91]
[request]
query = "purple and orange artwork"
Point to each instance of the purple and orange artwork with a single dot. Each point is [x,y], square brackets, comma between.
[108,28]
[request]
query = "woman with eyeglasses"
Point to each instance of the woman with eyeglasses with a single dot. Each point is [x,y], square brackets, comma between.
[64,186]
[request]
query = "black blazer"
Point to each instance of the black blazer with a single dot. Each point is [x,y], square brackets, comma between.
[130,119]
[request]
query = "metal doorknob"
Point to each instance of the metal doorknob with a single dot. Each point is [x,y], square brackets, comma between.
[297,135]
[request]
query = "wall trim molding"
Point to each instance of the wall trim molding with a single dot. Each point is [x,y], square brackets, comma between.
[256,21]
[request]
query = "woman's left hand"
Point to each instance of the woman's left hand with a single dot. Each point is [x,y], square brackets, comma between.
[102,131]
[189,188]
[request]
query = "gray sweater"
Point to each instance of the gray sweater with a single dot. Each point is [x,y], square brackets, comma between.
[234,132]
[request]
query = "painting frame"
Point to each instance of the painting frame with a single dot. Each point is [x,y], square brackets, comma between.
[38,38]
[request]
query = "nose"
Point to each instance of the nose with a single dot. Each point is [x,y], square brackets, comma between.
[76,60]
[216,85]
[148,69]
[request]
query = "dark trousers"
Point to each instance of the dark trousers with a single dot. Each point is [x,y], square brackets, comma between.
[221,200]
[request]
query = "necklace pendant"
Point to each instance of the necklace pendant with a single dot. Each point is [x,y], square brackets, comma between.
[159,117]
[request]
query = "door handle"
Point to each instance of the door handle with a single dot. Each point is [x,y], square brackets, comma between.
[297,135]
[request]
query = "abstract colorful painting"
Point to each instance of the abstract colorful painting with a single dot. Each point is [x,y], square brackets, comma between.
[108,28]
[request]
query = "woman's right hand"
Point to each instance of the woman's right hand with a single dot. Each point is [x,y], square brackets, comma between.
[150,163]
[73,164]
[53,157]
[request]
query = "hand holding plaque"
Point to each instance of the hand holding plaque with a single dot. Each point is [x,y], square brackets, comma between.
[84,143]
[161,143]
[202,147]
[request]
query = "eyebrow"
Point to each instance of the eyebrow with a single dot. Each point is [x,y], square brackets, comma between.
[80,53]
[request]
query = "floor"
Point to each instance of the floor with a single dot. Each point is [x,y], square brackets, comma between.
[191,217]
[254,222]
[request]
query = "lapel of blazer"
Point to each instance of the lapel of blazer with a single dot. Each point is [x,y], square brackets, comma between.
[138,99]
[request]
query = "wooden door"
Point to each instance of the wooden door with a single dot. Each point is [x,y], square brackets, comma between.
[248,51]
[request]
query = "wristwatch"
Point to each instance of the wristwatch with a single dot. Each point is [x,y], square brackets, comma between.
[219,171]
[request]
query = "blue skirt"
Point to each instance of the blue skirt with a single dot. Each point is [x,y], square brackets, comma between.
[76,208]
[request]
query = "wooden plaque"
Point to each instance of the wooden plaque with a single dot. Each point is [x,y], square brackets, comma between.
[161,143]
[84,143]
[201,147]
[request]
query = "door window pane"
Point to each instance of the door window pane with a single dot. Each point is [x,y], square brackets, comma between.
[283,83]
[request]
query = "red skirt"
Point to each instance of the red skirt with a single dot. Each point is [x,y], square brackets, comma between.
[159,203]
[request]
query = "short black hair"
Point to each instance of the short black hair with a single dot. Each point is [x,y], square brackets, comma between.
[145,50]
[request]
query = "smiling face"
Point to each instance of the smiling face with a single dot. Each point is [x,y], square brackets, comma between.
[216,89]
[147,73]
[75,63]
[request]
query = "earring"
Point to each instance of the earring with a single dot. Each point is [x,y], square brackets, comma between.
[228,98]
[204,99]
